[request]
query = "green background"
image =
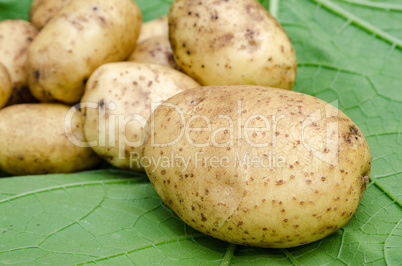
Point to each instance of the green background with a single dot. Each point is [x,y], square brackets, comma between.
[348,51]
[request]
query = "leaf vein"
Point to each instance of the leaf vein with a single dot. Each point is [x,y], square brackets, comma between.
[290,257]
[363,24]
[79,184]
[375,181]
[385,243]
[378,5]
[165,241]
[229,254]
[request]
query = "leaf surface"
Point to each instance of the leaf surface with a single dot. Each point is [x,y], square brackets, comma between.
[348,51]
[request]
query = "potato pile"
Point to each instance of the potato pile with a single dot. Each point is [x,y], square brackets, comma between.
[200,100]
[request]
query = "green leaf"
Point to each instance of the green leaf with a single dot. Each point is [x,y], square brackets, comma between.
[348,50]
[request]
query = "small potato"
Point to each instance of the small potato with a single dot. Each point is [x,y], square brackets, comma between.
[230,43]
[43,10]
[155,27]
[117,102]
[82,35]
[5,86]
[43,138]
[15,37]
[154,50]
[255,165]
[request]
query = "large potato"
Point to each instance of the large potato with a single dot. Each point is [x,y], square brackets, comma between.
[154,50]
[231,42]
[80,37]
[43,10]
[155,27]
[117,103]
[15,37]
[43,138]
[257,166]
[5,85]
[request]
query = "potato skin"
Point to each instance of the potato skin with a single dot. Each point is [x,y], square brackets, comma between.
[231,43]
[80,37]
[154,50]
[155,27]
[15,37]
[126,91]
[294,168]
[34,140]
[42,11]
[5,86]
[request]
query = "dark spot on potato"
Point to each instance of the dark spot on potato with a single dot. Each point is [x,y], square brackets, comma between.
[353,130]
[102,19]
[37,74]
[203,218]
[101,103]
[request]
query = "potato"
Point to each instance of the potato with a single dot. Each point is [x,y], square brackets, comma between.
[43,10]
[80,37]
[117,103]
[43,138]
[257,166]
[230,43]
[15,37]
[154,50]
[155,27]
[5,85]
